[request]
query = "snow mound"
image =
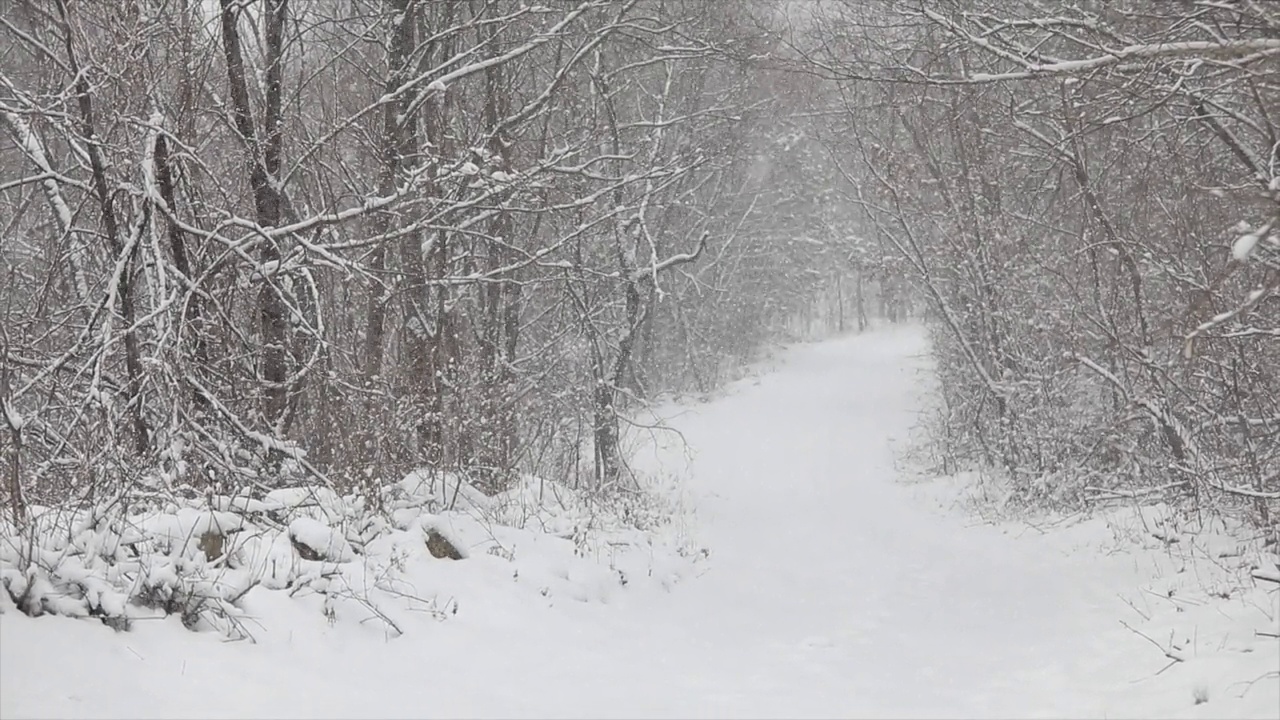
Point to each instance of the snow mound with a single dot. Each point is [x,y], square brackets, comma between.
[214,561]
[321,542]
[1196,619]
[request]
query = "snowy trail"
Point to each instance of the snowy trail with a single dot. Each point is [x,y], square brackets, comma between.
[830,591]
[848,596]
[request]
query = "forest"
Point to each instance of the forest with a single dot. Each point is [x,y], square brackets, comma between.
[249,244]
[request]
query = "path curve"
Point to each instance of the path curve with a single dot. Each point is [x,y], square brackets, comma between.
[830,592]
[845,595]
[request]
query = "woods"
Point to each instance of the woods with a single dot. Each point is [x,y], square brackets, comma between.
[333,241]
[329,242]
[326,322]
[1087,194]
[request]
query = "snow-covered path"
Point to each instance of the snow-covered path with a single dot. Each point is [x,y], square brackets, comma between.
[839,593]
[831,591]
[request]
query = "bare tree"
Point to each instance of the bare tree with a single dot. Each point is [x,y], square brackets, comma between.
[1064,188]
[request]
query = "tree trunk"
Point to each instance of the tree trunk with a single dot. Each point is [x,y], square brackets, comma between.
[119,249]
[263,165]
[861,302]
[192,314]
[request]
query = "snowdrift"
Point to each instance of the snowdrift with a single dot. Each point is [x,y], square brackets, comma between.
[209,560]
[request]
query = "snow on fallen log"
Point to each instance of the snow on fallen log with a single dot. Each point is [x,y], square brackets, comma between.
[313,540]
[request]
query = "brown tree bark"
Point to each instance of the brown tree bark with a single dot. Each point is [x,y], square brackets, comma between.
[117,245]
[262,162]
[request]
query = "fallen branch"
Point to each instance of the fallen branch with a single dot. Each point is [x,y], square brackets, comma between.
[1267,575]
[1249,684]
[1108,494]
[1172,655]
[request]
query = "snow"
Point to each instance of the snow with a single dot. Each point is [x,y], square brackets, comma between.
[322,539]
[12,417]
[34,149]
[1244,245]
[800,577]
[1162,51]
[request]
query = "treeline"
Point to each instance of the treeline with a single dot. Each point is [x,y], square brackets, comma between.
[331,241]
[1087,194]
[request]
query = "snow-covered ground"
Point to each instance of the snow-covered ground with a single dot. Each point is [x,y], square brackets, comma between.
[830,589]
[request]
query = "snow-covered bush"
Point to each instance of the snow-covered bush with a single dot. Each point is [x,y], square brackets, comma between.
[202,559]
